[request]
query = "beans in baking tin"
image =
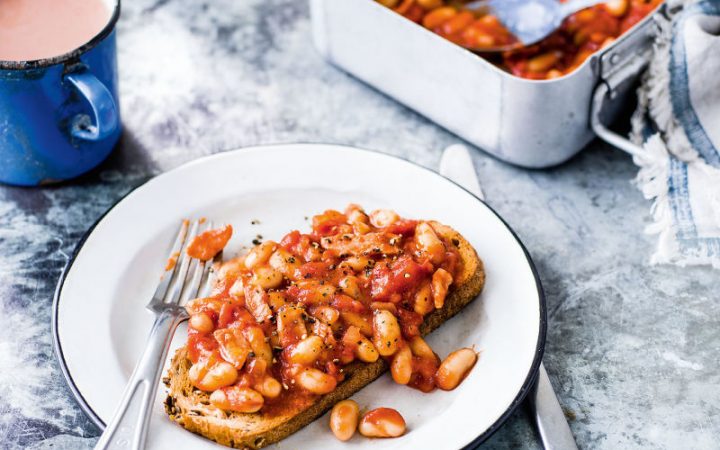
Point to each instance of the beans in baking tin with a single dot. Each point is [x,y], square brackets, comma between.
[581,35]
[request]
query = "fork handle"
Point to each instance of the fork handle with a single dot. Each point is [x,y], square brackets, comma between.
[128,428]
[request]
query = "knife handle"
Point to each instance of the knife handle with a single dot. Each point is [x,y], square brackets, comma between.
[549,417]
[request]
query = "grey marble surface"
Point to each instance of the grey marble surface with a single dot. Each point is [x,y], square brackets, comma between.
[632,349]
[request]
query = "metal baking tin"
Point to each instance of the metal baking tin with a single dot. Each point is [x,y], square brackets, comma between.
[529,123]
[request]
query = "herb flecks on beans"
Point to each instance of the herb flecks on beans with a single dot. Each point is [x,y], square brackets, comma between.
[284,319]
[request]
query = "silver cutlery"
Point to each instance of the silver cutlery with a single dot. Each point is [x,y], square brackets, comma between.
[180,282]
[530,21]
[456,164]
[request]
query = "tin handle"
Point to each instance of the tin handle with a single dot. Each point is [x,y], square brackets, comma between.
[619,66]
[104,121]
[603,92]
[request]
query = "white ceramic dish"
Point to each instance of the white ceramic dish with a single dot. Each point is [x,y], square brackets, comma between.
[100,323]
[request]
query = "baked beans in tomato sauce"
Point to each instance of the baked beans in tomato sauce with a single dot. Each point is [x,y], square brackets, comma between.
[286,319]
[580,35]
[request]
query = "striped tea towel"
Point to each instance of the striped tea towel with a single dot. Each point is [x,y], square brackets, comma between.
[678,124]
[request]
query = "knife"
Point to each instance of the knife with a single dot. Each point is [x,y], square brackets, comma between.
[456,165]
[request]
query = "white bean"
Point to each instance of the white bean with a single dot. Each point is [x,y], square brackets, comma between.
[260,254]
[344,419]
[441,281]
[202,322]
[382,423]
[307,351]
[267,277]
[381,218]
[455,368]
[211,378]
[401,366]
[316,381]
[386,332]
[429,243]
[235,398]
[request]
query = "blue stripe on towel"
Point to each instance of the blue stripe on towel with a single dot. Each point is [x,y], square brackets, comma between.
[679,86]
[679,200]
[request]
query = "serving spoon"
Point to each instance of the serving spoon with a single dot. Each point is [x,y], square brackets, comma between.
[529,21]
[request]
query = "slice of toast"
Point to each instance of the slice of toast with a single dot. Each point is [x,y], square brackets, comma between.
[191,408]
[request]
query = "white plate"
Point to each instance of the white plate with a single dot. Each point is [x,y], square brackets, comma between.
[101,324]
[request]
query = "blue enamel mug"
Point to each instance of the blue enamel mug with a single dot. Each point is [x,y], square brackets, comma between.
[59,117]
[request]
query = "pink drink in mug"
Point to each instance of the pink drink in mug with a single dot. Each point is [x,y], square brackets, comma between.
[38,29]
[59,114]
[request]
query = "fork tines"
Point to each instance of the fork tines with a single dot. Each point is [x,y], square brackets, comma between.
[183,274]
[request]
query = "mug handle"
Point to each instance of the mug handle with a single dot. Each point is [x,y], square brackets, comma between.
[102,104]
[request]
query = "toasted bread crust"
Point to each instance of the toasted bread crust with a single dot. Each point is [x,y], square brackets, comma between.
[191,409]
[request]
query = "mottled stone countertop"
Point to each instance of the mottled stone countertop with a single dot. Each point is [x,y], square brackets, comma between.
[632,348]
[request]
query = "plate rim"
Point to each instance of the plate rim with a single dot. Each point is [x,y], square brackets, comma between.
[527,386]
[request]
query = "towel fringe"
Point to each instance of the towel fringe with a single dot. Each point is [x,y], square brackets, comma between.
[652,181]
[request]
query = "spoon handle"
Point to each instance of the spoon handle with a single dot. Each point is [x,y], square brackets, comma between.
[572,6]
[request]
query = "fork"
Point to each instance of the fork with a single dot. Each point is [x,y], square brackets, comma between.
[128,428]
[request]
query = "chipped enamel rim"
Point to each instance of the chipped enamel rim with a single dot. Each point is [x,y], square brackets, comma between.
[525,389]
[72,55]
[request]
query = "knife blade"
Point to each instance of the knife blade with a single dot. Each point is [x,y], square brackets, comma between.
[456,165]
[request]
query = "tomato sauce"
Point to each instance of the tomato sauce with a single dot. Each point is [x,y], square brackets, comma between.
[581,35]
[209,243]
[297,312]
[172,261]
